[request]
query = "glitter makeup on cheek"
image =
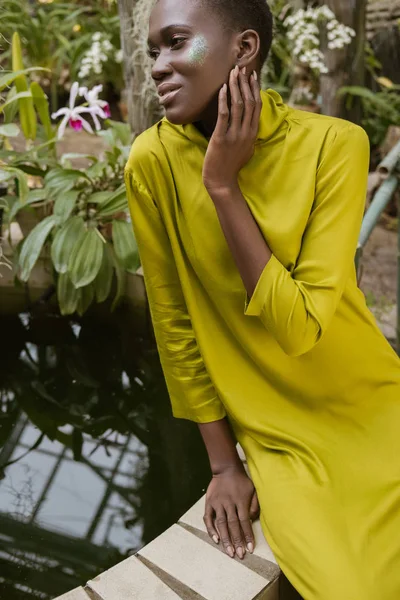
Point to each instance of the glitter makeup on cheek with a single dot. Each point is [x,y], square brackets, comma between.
[198,51]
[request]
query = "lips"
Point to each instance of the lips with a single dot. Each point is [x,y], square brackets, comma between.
[167,92]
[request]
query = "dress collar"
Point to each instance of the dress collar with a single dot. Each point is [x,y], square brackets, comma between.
[274,112]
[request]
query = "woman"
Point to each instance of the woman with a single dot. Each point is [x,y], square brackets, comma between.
[247,215]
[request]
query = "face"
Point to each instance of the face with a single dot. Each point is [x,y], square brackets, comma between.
[192,56]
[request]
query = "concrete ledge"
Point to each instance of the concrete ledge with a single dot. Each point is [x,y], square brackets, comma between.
[184,563]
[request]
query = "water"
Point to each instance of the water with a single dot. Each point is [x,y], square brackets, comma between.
[93,465]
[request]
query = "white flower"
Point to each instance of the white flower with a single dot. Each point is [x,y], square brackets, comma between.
[97,106]
[96,36]
[73,114]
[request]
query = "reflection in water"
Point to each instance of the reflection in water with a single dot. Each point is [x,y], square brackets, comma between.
[93,466]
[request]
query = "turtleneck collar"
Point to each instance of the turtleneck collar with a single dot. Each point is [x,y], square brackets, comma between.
[273,113]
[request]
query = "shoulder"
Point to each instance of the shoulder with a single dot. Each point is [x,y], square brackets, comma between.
[148,162]
[146,149]
[327,131]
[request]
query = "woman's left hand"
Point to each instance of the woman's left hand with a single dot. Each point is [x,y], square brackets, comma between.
[232,143]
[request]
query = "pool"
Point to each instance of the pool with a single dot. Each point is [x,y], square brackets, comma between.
[93,466]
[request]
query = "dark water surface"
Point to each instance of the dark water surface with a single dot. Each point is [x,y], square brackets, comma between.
[93,466]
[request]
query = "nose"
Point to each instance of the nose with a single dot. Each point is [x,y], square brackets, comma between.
[161,67]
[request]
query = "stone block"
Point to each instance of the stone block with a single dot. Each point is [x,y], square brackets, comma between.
[130,580]
[201,568]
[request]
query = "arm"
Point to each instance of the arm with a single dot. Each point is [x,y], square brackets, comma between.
[191,391]
[297,308]
[231,500]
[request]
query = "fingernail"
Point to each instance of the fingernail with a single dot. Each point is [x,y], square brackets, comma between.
[255,75]
[244,71]
[239,552]
[215,538]
[237,70]
[250,547]
[230,551]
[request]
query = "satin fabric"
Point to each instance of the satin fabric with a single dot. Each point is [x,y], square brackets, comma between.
[309,383]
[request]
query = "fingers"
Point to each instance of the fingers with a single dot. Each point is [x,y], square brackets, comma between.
[247,529]
[221,523]
[223,112]
[249,100]
[237,104]
[235,531]
[209,523]
[255,88]
[254,507]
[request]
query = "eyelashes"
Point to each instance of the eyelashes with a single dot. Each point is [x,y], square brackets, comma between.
[175,44]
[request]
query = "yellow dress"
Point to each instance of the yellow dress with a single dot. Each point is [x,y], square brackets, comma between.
[309,383]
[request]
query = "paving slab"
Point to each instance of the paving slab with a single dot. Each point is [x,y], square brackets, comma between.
[194,518]
[130,580]
[202,568]
[77,594]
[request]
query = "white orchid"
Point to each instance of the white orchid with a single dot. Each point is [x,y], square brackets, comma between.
[73,114]
[304,35]
[97,106]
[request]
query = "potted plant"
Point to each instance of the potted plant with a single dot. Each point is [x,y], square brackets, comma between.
[85,229]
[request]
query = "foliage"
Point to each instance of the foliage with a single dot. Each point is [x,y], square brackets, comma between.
[85,228]
[297,40]
[57,36]
[77,376]
[380,109]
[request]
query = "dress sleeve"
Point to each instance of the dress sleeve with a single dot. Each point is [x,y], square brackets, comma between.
[297,307]
[191,391]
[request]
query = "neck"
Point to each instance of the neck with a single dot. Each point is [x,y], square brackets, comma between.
[208,119]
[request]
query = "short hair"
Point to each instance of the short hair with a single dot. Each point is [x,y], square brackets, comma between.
[239,15]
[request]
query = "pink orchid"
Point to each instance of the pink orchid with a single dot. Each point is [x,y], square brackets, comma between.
[73,114]
[98,107]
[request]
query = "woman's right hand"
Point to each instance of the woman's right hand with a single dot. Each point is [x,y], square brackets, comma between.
[231,506]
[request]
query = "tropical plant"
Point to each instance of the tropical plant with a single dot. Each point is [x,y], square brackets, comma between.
[380,109]
[85,228]
[58,36]
[297,43]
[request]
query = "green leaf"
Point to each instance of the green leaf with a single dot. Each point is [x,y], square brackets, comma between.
[11,108]
[72,155]
[122,132]
[59,179]
[86,299]
[121,279]
[64,240]
[104,278]
[42,106]
[27,114]
[65,204]
[117,202]
[99,197]
[68,296]
[12,172]
[9,130]
[11,76]
[14,97]
[125,245]
[86,258]
[33,197]
[33,245]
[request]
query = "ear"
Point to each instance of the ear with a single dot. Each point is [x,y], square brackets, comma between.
[248,47]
